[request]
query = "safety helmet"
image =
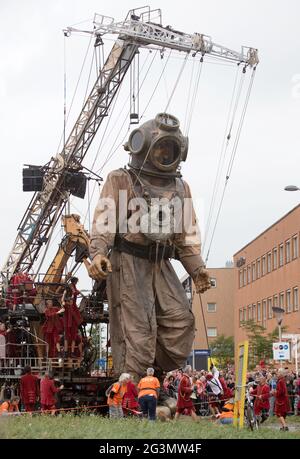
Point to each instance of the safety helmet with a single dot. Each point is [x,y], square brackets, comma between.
[158,146]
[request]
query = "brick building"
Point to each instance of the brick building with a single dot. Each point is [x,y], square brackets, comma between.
[267,274]
[218,307]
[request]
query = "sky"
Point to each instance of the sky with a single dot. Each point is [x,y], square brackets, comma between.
[34,54]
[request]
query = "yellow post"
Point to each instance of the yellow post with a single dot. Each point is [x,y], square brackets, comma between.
[240,378]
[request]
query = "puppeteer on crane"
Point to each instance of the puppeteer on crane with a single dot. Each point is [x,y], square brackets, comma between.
[151,322]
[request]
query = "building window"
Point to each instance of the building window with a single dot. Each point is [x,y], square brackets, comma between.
[270,312]
[241,278]
[263,266]
[249,274]
[281,300]
[275,301]
[288,251]
[295,247]
[258,312]
[253,272]
[269,262]
[245,315]
[245,276]
[211,332]
[241,316]
[281,255]
[250,312]
[264,315]
[211,307]
[295,299]
[288,301]
[274,258]
[258,269]
[254,312]
[213,282]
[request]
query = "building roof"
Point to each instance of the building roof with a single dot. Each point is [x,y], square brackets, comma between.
[266,230]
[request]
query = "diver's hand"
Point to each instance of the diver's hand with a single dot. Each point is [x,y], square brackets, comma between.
[99,268]
[202,281]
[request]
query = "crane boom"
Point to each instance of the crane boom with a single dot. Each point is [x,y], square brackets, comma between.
[46,206]
[136,31]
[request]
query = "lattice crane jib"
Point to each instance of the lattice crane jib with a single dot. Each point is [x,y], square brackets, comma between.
[141,28]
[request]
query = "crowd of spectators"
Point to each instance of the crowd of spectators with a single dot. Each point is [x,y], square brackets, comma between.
[208,392]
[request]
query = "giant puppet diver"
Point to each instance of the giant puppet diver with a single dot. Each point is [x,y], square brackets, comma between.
[151,322]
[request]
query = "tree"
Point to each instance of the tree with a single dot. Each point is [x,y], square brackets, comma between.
[260,343]
[222,348]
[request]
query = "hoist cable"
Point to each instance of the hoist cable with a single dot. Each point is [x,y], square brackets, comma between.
[225,144]
[171,96]
[194,97]
[156,86]
[176,83]
[76,88]
[56,219]
[232,158]
[241,123]
[112,152]
[189,95]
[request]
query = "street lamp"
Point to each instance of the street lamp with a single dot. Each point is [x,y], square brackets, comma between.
[291,188]
[278,313]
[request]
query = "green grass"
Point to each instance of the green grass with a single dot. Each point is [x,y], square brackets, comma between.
[96,427]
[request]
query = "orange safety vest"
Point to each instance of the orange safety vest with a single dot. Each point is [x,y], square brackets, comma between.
[7,407]
[227,414]
[119,390]
[148,386]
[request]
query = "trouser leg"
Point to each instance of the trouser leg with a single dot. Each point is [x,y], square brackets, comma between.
[144,405]
[152,402]
[132,313]
[272,403]
[175,320]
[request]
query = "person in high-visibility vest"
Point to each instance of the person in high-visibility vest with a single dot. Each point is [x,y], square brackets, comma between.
[115,395]
[10,406]
[148,393]
[226,416]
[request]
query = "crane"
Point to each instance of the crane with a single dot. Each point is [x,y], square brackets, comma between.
[137,30]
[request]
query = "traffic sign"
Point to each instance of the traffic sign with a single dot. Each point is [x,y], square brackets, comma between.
[281,351]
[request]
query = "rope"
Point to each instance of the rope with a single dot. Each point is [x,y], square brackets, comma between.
[222,156]
[109,156]
[195,93]
[87,408]
[56,217]
[156,86]
[189,95]
[204,321]
[232,158]
[76,88]
[176,82]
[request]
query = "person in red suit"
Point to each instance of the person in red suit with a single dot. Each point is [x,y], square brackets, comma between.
[129,402]
[21,290]
[262,399]
[4,334]
[72,316]
[184,402]
[29,390]
[48,391]
[227,392]
[282,405]
[53,327]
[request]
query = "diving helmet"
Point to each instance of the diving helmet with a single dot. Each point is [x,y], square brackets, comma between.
[157,147]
